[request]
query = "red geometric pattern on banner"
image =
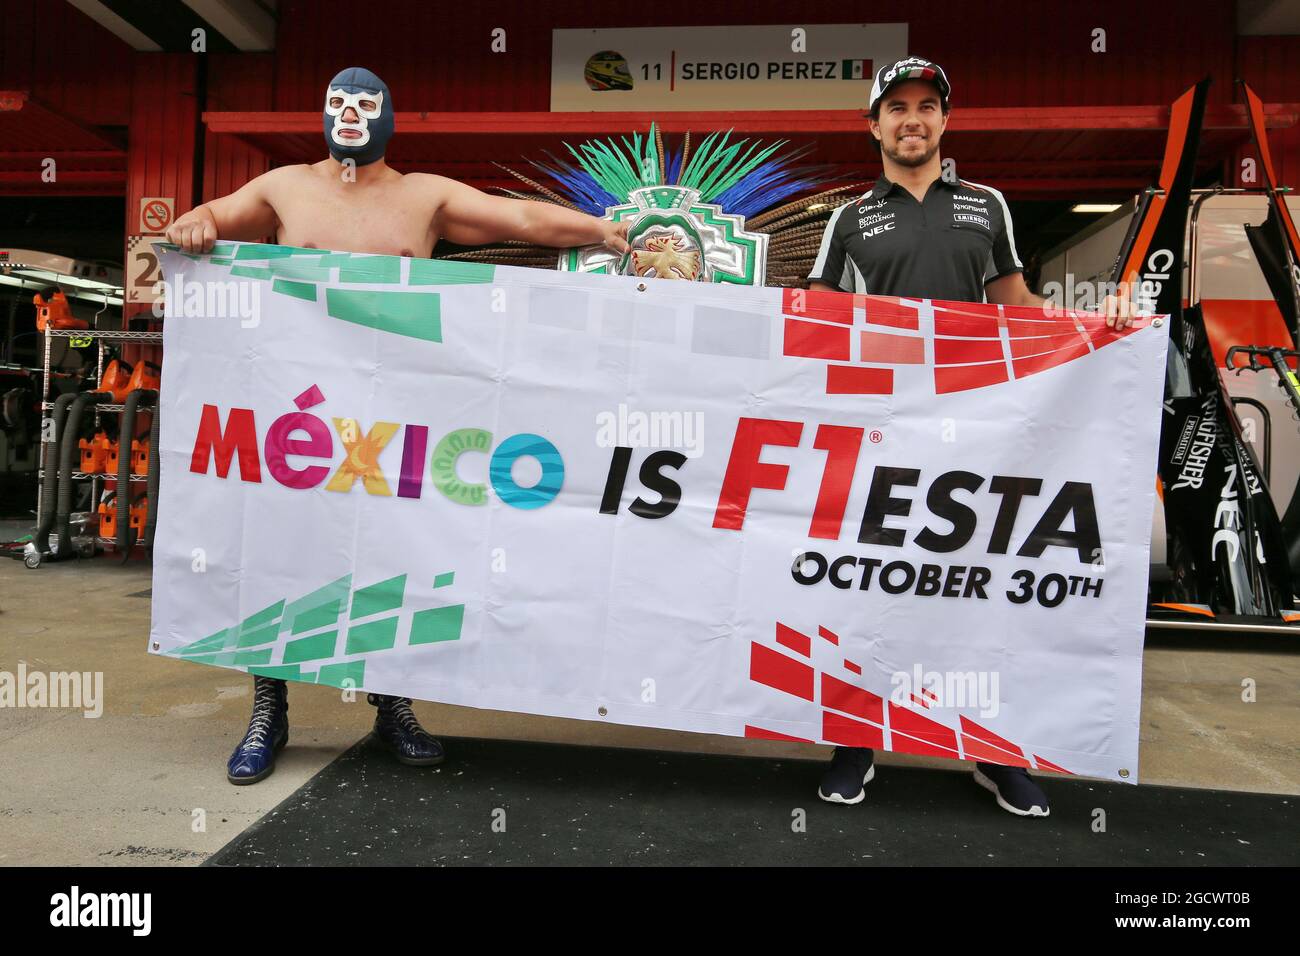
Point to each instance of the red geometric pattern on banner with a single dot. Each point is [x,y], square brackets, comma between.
[811,304]
[853,716]
[1042,764]
[903,743]
[970,728]
[971,341]
[883,310]
[852,700]
[758,733]
[978,750]
[888,348]
[961,378]
[904,720]
[1039,344]
[1040,363]
[859,380]
[789,637]
[966,351]
[847,732]
[816,340]
[769,667]
[967,320]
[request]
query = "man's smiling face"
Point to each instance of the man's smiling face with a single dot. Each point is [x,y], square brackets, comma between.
[910,123]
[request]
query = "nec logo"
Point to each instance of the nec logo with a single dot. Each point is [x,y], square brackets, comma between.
[884,227]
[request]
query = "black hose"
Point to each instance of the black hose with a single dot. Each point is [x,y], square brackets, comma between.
[125,437]
[151,514]
[50,478]
[67,449]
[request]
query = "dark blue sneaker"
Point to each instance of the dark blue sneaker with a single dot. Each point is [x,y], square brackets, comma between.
[396,726]
[268,731]
[850,771]
[1015,790]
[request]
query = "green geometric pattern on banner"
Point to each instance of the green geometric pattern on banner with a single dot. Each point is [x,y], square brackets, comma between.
[372,636]
[384,596]
[282,671]
[297,269]
[252,250]
[214,642]
[413,314]
[264,616]
[377,269]
[437,624]
[312,618]
[347,674]
[336,592]
[314,648]
[435,272]
[250,272]
[299,272]
[261,635]
[263,643]
[299,290]
[234,658]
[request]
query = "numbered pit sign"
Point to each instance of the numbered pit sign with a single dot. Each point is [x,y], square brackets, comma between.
[142,272]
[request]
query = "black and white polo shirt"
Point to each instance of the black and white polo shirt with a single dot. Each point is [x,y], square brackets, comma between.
[947,247]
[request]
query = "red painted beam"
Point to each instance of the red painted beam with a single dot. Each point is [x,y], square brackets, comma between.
[806,122]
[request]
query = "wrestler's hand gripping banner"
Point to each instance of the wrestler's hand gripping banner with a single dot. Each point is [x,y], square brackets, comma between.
[913,526]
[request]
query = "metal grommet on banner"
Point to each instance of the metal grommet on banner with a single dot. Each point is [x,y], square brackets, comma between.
[1158,323]
[1123,773]
[603,712]
[155,645]
[640,287]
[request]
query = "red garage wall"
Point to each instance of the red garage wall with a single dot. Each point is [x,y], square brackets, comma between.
[996,53]
[437,56]
[1271,65]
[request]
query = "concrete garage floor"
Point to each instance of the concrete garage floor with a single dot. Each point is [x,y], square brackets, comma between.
[145,782]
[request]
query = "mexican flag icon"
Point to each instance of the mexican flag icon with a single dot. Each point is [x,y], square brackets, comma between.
[855,69]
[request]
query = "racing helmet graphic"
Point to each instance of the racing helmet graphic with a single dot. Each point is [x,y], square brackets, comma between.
[607,70]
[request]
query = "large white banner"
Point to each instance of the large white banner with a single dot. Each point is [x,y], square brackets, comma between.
[758,512]
[769,67]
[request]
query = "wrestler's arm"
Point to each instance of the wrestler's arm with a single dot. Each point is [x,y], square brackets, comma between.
[246,215]
[469,217]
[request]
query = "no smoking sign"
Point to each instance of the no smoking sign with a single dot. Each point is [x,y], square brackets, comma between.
[156,214]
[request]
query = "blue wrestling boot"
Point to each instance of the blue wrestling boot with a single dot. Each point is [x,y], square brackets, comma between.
[397,728]
[268,731]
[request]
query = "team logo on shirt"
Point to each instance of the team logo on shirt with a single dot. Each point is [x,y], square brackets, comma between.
[865,222]
[979,199]
[968,217]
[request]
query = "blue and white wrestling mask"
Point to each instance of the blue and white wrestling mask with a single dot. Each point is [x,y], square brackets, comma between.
[364,138]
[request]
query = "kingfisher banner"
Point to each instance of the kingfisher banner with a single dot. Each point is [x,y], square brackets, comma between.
[909,525]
